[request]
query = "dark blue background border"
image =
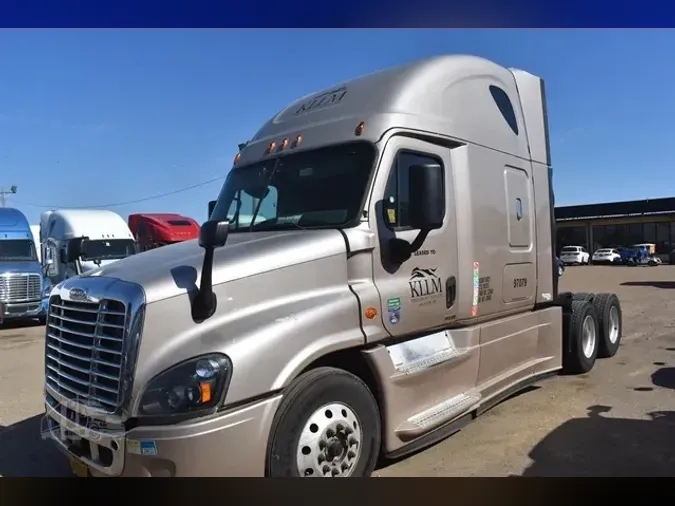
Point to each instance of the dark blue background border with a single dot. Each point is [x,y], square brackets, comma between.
[335,14]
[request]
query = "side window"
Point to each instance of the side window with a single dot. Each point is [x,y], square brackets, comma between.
[396,196]
[505,107]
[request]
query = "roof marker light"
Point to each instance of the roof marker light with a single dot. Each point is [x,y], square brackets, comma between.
[296,142]
[236,158]
[270,148]
[283,144]
[359,129]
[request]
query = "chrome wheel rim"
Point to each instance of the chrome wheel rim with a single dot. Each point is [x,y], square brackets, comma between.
[588,336]
[614,325]
[330,442]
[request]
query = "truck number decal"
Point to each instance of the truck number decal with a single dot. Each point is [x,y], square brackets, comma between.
[520,283]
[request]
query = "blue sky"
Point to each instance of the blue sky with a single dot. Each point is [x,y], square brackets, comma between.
[93,117]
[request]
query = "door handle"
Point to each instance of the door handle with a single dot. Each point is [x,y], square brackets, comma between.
[450,291]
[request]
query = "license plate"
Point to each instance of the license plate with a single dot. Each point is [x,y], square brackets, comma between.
[79,468]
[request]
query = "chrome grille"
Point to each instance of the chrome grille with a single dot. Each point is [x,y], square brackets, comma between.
[85,351]
[20,287]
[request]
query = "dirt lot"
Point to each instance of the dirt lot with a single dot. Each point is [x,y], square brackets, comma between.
[617,421]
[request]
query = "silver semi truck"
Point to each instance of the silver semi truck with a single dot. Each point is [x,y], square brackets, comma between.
[394,276]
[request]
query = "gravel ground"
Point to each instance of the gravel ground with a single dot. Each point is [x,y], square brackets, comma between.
[619,420]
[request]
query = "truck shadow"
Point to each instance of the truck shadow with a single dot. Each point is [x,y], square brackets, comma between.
[24,452]
[19,324]
[603,446]
[655,284]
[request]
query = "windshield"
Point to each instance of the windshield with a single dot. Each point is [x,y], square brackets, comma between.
[569,249]
[107,249]
[604,251]
[22,250]
[321,188]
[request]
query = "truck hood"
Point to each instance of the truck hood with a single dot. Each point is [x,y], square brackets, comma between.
[175,269]
[22,267]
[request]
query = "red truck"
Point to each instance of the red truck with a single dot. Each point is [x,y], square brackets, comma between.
[159,229]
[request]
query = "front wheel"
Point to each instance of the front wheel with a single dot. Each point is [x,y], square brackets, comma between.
[328,425]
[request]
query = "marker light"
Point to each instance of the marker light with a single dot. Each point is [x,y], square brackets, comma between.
[271,147]
[296,141]
[359,129]
[236,158]
[283,144]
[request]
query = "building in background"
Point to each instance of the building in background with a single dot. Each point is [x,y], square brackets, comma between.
[618,224]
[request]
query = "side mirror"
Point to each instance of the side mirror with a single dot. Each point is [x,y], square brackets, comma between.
[73,249]
[212,206]
[427,196]
[213,234]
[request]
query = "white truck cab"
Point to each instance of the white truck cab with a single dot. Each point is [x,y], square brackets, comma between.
[74,241]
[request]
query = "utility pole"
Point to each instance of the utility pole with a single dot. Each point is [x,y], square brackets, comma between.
[3,193]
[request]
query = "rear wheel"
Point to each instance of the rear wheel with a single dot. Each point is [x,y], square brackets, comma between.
[582,296]
[583,334]
[610,322]
[328,425]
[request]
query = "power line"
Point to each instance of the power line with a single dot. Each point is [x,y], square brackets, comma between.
[135,201]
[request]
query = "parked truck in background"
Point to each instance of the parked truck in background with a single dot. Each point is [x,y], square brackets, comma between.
[403,281]
[75,241]
[23,290]
[35,232]
[160,229]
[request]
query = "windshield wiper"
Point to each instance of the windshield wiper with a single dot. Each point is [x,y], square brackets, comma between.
[277,163]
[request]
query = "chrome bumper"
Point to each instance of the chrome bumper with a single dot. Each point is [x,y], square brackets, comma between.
[33,309]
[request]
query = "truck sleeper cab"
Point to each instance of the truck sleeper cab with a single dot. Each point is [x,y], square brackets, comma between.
[393,276]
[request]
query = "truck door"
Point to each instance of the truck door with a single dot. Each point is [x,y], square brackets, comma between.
[420,293]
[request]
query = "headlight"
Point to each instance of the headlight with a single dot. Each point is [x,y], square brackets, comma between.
[194,387]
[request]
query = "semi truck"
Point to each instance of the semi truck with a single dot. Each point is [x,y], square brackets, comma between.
[161,229]
[23,289]
[403,281]
[75,241]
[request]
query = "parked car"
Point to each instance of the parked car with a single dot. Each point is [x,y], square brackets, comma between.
[606,256]
[575,255]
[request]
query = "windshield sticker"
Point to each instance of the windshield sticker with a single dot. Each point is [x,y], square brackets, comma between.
[306,172]
[476,288]
[425,286]
[391,214]
[289,219]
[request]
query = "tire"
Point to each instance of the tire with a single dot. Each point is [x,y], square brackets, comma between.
[583,296]
[305,407]
[610,323]
[580,359]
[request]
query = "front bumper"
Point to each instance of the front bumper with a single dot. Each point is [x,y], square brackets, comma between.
[233,444]
[17,310]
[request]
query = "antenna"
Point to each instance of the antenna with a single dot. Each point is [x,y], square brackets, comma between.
[3,193]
